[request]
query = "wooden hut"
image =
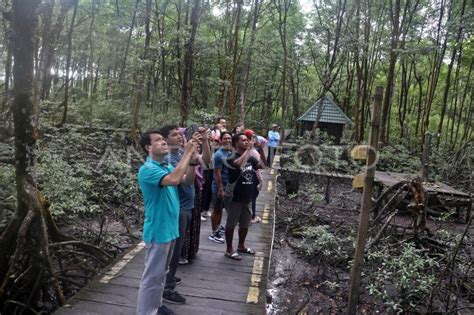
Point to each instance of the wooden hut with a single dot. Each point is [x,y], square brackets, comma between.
[331,118]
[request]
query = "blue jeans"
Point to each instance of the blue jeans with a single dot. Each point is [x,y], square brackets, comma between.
[270,156]
[152,283]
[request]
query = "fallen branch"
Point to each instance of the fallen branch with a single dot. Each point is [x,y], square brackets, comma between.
[379,200]
[390,203]
[380,233]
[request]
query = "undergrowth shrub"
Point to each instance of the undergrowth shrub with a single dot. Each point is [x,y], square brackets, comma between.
[116,182]
[402,276]
[8,202]
[398,158]
[319,242]
[66,187]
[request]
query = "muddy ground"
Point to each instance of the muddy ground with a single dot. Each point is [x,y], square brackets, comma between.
[303,280]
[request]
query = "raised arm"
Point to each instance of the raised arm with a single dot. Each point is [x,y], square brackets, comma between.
[182,169]
[243,158]
[206,149]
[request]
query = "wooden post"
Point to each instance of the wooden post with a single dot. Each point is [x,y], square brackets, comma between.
[366,202]
[425,158]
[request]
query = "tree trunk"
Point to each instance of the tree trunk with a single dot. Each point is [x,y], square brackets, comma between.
[142,71]
[356,136]
[127,45]
[8,70]
[282,7]
[50,38]
[436,68]
[19,237]
[188,63]
[90,70]
[455,100]
[457,44]
[178,43]
[395,18]
[294,83]
[403,97]
[235,61]
[463,98]
[246,68]
[68,63]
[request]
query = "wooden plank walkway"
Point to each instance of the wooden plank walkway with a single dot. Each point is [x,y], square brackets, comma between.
[211,284]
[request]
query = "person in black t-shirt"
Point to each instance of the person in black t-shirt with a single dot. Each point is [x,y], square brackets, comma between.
[241,167]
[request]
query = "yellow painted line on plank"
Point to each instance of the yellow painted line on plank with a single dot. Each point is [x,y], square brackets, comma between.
[270,185]
[254,288]
[266,214]
[113,272]
[252,296]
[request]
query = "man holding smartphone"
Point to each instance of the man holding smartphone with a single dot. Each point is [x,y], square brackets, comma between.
[241,167]
[186,192]
[158,181]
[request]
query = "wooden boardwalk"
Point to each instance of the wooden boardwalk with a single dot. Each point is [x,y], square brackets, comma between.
[211,284]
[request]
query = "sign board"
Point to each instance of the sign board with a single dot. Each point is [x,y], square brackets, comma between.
[359,152]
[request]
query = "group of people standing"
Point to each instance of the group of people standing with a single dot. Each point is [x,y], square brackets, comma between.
[186,170]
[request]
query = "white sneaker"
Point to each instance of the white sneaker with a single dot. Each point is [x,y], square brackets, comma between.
[203,218]
[208,214]
[183,261]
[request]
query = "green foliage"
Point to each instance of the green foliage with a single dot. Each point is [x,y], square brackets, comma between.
[398,158]
[152,118]
[8,199]
[447,238]
[317,152]
[116,182]
[79,189]
[65,185]
[107,113]
[402,277]
[7,180]
[204,116]
[313,195]
[320,243]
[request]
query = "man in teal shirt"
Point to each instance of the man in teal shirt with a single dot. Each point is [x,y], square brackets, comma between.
[158,182]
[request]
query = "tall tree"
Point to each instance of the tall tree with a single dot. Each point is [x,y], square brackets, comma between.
[188,62]
[26,234]
[399,29]
[282,7]
[8,65]
[246,68]
[50,36]
[142,71]
[127,44]
[433,76]
[457,45]
[68,62]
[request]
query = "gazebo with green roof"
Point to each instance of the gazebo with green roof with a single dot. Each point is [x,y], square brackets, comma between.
[331,118]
